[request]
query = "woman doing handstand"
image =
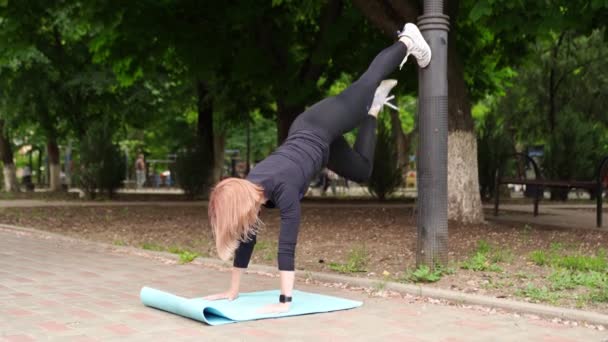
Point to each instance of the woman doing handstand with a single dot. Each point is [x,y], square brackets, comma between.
[314,141]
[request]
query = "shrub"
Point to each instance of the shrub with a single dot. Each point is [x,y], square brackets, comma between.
[193,168]
[386,175]
[573,150]
[493,144]
[102,167]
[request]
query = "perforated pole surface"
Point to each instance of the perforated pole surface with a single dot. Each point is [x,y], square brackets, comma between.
[432,247]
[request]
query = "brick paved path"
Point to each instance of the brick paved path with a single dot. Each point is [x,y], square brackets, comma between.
[58,289]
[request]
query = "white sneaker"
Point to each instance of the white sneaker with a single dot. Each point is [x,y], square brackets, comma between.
[416,45]
[381,97]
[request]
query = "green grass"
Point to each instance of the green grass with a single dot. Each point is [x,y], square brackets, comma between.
[7,195]
[268,249]
[424,274]
[571,271]
[357,261]
[600,296]
[175,250]
[185,255]
[483,247]
[501,255]
[151,246]
[119,243]
[583,263]
[539,257]
[523,275]
[541,294]
[556,246]
[563,279]
[479,262]
[497,284]
[576,262]
[486,258]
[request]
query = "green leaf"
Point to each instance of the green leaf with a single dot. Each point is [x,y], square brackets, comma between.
[597,4]
[481,8]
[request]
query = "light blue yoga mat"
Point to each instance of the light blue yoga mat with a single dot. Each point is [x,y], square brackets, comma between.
[244,307]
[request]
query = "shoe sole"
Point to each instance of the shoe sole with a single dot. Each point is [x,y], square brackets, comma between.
[390,81]
[391,84]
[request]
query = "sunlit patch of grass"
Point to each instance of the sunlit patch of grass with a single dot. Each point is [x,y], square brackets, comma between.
[268,249]
[151,246]
[539,257]
[424,274]
[566,279]
[479,262]
[357,261]
[187,256]
[486,258]
[540,294]
[577,262]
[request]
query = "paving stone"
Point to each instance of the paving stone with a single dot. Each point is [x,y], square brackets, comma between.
[73,291]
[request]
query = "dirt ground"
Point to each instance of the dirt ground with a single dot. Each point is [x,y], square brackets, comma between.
[328,234]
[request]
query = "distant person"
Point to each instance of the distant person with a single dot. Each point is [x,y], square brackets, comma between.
[329,179]
[140,171]
[63,180]
[315,140]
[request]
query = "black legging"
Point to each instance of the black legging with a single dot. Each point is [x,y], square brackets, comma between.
[334,116]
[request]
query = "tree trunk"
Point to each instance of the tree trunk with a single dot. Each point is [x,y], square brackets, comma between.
[6,155]
[464,199]
[39,166]
[205,126]
[11,184]
[286,114]
[54,165]
[218,163]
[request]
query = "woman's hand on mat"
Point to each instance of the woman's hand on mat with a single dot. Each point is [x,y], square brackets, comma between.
[274,308]
[230,295]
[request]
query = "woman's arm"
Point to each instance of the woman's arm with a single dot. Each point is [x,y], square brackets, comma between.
[233,291]
[287,281]
[289,204]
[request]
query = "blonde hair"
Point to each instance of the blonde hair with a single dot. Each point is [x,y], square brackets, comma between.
[234,205]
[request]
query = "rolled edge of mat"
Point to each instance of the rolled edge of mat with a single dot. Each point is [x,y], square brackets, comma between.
[169,302]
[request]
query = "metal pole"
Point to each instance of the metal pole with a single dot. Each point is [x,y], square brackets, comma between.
[432,220]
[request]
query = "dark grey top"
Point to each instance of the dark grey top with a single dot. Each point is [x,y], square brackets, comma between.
[285,176]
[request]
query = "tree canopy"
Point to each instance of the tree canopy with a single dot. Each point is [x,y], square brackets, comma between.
[167,75]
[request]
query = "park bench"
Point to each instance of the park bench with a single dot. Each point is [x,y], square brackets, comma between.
[524,162]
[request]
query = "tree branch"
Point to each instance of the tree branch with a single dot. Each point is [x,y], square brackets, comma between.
[406,11]
[311,70]
[378,13]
